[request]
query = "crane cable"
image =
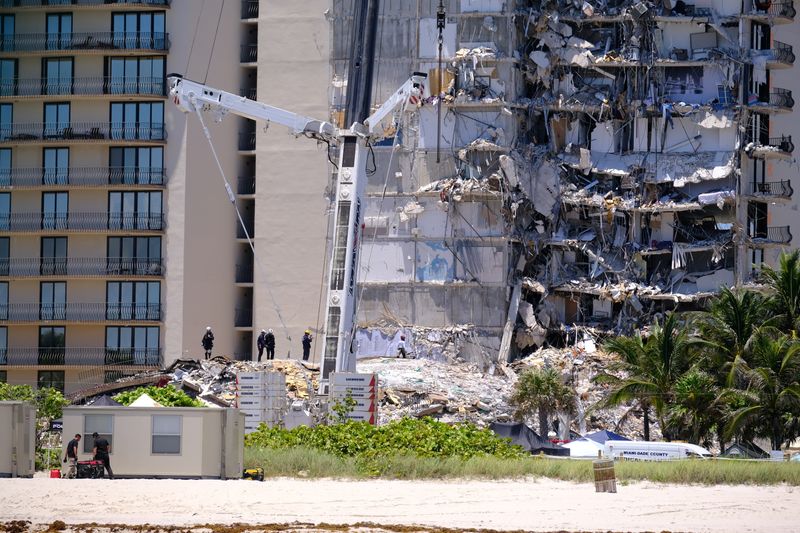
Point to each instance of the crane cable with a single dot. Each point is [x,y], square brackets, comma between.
[232,198]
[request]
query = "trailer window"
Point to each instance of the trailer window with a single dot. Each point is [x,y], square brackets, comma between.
[103,425]
[166,434]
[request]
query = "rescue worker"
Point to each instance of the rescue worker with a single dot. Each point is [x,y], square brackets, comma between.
[270,343]
[101,451]
[261,343]
[306,344]
[401,347]
[208,341]
[71,456]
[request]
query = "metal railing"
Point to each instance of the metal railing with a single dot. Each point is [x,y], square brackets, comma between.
[249,53]
[90,131]
[83,176]
[79,312]
[82,222]
[5,4]
[781,52]
[246,185]
[75,356]
[91,86]
[247,141]
[106,40]
[776,98]
[244,273]
[249,9]
[81,266]
[781,144]
[781,8]
[774,234]
[243,318]
[249,92]
[779,189]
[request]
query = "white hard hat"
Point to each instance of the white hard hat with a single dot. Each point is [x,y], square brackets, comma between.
[208,328]
[270,330]
[264,331]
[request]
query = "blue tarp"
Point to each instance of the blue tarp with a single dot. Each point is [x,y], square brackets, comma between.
[603,435]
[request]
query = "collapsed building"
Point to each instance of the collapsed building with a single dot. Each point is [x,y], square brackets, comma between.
[580,168]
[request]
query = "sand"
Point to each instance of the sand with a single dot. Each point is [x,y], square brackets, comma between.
[536,505]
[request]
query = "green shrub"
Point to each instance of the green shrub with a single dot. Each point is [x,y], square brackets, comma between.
[167,396]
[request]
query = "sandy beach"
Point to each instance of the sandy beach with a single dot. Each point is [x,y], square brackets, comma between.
[535,505]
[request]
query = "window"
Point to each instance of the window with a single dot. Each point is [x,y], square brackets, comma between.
[137,120]
[133,300]
[142,166]
[132,345]
[51,379]
[5,248]
[167,434]
[3,376]
[8,77]
[134,210]
[56,120]
[103,425]
[139,30]
[5,210]
[6,33]
[132,75]
[134,255]
[55,169]
[4,300]
[3,347]
[6,121]
[5,167]
[52,343]
[57,75]
[53,256]
[55,206]
[53,300]
[59,31]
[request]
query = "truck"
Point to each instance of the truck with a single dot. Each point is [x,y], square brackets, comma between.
[633,450]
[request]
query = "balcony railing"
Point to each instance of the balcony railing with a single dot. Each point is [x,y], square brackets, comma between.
[49,42]
[781,9]
[781,53]
[243,318]
[80,312]
[249,53]
[91,131]
[240,234]
[32,267]
[121,86]
[246,185]
[74,356]
[45,3]
[247,141]
[774,234]
[82,176]
[244,273]
[773,189]
[82,222]
[249,92]
[249,9]
[777,98]
[782,144]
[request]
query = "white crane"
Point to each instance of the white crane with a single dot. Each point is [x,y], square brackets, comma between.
[340,307]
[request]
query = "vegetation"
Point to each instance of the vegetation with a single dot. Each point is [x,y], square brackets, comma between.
[314,463]
[730,372]
[542,391]
[167,396]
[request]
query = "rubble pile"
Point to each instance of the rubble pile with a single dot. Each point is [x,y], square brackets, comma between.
[449,392]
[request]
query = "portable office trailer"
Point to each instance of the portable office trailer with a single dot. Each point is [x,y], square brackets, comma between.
[17,439]
[174,442]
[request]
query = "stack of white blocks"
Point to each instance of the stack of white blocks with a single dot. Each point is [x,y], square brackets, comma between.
[261,396]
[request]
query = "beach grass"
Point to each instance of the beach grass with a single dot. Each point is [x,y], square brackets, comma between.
[306,462]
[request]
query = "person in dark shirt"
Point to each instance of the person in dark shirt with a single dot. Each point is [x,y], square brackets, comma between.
[101,450]
[72,457]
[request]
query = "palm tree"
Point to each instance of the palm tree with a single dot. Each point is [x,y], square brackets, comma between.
[652,367]
[772,395]
[785,285]
[698,405]
[542,391]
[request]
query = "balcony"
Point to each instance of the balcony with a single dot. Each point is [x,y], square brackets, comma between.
[92,42]
[247,141]
[246,185]
[86,267]
[778,101]
[249,9]
[105,4]
[79,312]
[103,132]
[243,318]
[244,273]
[780,55]
[779,12]
[770,148]
[81,222]
[775,235]
[72,356]
[770,190]
[249,92]
[90,86]
[34,178]
[249,53]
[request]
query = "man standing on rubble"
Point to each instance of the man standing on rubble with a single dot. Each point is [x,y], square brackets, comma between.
[208,341]
[306,344]
[101,451]
[270,343]
[261,343]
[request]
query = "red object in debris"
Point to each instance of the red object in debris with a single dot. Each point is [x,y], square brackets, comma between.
[55,473]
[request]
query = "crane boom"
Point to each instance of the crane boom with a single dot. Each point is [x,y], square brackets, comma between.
[338,354]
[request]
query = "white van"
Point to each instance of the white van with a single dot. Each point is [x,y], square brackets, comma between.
[637,450]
